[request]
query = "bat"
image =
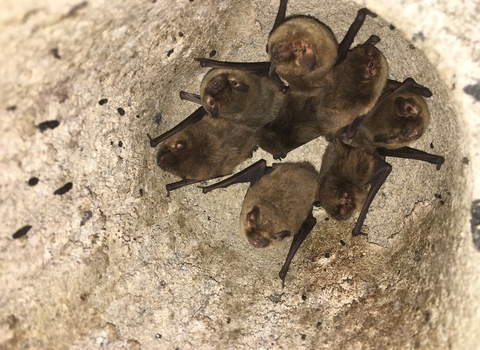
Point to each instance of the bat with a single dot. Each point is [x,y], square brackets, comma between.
[350,178]
[278,204]
[303,50]
[344,177]
[398,119]
[240,96]
[209,148]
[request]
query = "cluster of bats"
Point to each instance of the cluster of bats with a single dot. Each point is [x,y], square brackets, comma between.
[312,86]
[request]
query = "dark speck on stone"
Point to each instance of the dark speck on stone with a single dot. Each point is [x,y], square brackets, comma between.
[121,111]
[427,316]
[11,108]
[111,143]
[326,219]
[157,118]
[304,297]
[319,324]
[102,101]
[327,255]
[120,144]
[412,47]
[304,336]
[50,124]
[437,195]
[213,53]
[158,335]
[55,53]
[64,189]
[86,217]
[138,116]
[431,145]
[475,222]
[465,160]
[180,34]
[229,320]
[442,203]
[473,90]
[418,36]
[392,27]
[140,191]
[33,181]
[342,242]
[22,232]
[169,52]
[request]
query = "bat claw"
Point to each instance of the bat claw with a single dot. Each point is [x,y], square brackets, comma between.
[360,233]
[368,12]
[282,275]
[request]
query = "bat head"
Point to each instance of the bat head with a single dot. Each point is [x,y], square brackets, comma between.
[410,113]
[301,45]
[340,204]
[257,232]
[173,156]
[220,88]
[408,123]
[368,62]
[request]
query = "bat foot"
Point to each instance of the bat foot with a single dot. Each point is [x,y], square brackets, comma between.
[441,160]
[204,189]
[282,275]
[150,139]
[366,11]
[280,156]
[359,233]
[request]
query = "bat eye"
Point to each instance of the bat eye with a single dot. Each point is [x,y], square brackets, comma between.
[370,65]
[253,229]
[410,117]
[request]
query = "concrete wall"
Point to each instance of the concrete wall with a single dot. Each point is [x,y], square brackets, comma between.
[113,263]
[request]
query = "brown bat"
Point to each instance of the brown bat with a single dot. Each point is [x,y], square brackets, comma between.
[207,149]
[240,96]
[350,178]
[278,204]
[344,179]
[303,50]
[398,119]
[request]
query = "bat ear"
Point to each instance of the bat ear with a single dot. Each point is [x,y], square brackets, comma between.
[253,217]
[384,138]
[279,236]
[307,58]
[404,107]
[237,85]
[177,146]
[212,106]
[372,40]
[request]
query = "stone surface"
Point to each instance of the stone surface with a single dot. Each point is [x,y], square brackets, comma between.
[113,263]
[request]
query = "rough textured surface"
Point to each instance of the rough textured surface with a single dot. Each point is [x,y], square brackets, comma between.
[113,263]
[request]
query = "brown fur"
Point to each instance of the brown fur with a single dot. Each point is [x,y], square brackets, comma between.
[283,199]
[388,124]
[344,175]
[206,149]
[356,85]
[242,97]
[349,90]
